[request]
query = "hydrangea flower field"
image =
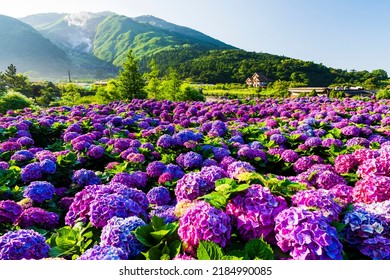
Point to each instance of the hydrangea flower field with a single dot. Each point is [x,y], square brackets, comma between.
[300,179]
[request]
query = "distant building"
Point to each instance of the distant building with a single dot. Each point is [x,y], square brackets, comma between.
[258,80]
[296,92]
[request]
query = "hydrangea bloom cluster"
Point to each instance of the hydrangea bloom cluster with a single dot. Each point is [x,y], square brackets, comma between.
[206,223]
[9,211]
[191,186]
[320,199]
[35,216]
[253,212]
[190,160]
[159,196]
[236,168]
[31,172]
[84,177]
[344,163]
[23,244]
[165,212]
[118,232]
[306,235]
[372,189]
[367,229]
[39,191]
[103,253]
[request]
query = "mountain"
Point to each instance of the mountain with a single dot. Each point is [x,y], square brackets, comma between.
[108,36]
[26,48]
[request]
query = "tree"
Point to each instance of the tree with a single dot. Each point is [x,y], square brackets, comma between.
[171,86]
[153,87]
[130,82]
[70,94]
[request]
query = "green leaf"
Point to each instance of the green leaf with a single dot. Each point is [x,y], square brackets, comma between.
[208,250]
[338,226]
[232,258]
[258,248]
[56,252]
[174,248]
[157,223]
[152,254]
[216,199]
[160,234]
[142,234]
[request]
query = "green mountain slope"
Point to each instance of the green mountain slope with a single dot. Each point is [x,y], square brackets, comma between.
[116,34]
[24,47]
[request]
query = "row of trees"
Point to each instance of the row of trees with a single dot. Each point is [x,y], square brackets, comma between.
[129,84]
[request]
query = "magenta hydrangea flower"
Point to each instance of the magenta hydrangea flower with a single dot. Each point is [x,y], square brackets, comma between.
[372,189]
[39,191]
[375,166]
[105,253]
[327,179]
[23,244]
[35,216]
[320,199]
[253,212]
[344,163]
[9,211]
[289,156]
[302,164]
[202,222]
[342,194]
[306,235]
[118,232]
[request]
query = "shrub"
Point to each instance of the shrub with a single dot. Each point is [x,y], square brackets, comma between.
[383,94]
[14,101]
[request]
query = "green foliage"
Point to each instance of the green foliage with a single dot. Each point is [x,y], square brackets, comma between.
[14,101]
[161,239]
[224,190]
[70,94]
[383,94]
[71,242]
[255,249]
[130,82]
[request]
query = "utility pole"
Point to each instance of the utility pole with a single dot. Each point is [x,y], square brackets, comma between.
[70,80]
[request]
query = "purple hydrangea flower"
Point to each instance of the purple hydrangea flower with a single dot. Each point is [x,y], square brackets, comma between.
[320,199]
[159,196]
[105,253]
[25,141]
[302,164]
[313,142]
[212,173]
[118,232]
[39,191]
[351,131]
[165,212]
[23,244]
[95,151]
[9,211]
[289,156]
[254,210]
[191,186]
[38,217]
[21,156]
[220,153]
[4,165]
[327,179]
[190,160]
[342,194]
[165,141]
[106,206]
[31,172]
[155,169]
[206,223]
[306,235]
[236,168]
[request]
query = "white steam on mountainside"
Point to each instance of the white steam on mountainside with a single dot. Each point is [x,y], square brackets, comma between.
[78,19]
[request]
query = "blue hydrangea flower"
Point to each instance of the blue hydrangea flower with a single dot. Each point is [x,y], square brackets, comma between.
[39,191]
[159,196]
[84,177]
[118,232]
[105,253]
[31,172]
[48,166]
[23,244]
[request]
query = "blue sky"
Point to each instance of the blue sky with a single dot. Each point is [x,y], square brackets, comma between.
[345,34]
